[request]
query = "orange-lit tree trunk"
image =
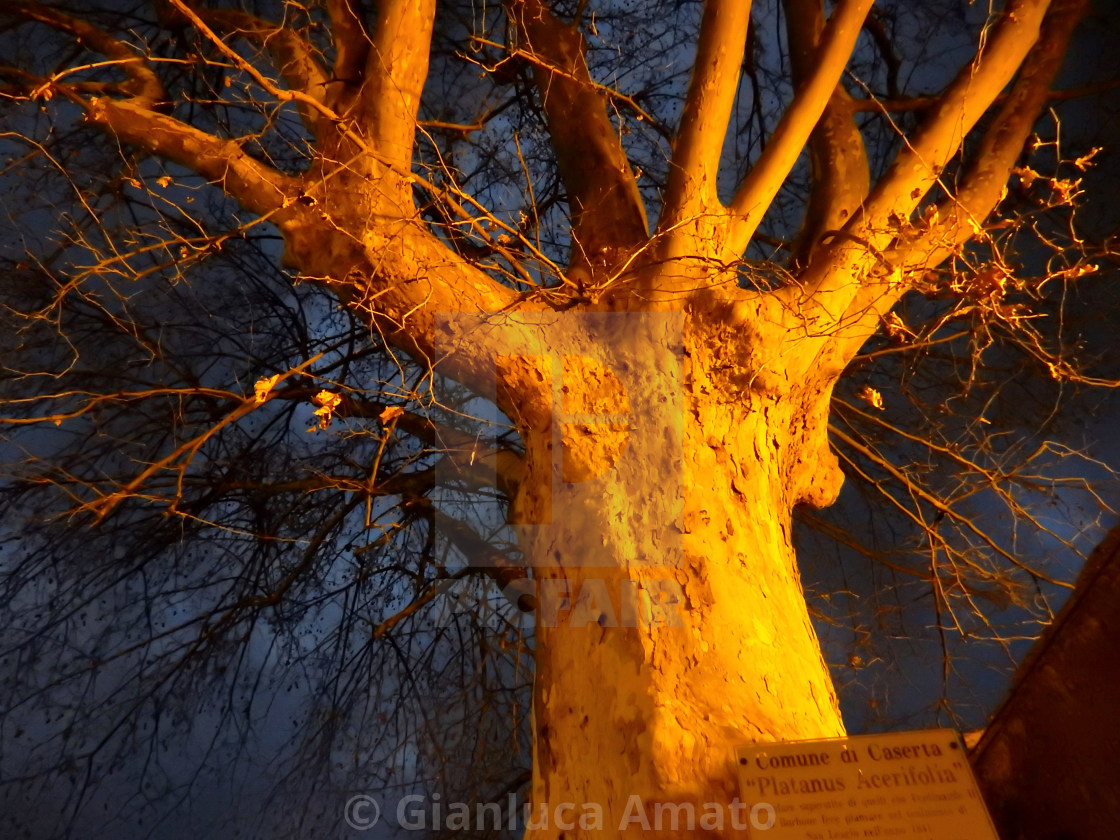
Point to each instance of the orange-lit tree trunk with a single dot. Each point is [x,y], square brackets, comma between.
[650,673]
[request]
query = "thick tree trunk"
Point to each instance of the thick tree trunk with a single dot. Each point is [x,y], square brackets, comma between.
[671,624]
[631,719]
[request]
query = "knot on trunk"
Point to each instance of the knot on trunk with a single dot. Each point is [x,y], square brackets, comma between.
[814,475]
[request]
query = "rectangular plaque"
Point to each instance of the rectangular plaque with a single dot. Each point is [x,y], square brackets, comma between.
[908,785]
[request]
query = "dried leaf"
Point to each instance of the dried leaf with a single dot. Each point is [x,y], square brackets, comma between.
[1027,176]
[263,386]
[872,397]
[896,327]
[390,414]
[327,403]
[328,400]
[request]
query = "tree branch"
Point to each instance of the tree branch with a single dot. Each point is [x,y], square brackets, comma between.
[607,209]
[840,176]
[351,41]
[963,213]
[144,85]
[293,56]
[281,95]
[135,122]
[918,164]
[395,72]
[691,191]
[258,187]
[856,278]
[766,177]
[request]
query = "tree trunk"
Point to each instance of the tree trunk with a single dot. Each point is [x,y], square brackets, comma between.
[651,671]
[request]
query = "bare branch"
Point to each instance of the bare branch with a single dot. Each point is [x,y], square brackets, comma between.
[962,214]
[765,179]
[836,152]
[396,68]
[483,559]
[919,163]
[607,210]
[145,86]
[299,96]
[181,455]
[293,56]
[691,191]
[939,505]
[255,185]
[854,280]
[351,41]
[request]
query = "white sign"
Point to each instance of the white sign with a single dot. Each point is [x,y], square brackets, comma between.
[905,785]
